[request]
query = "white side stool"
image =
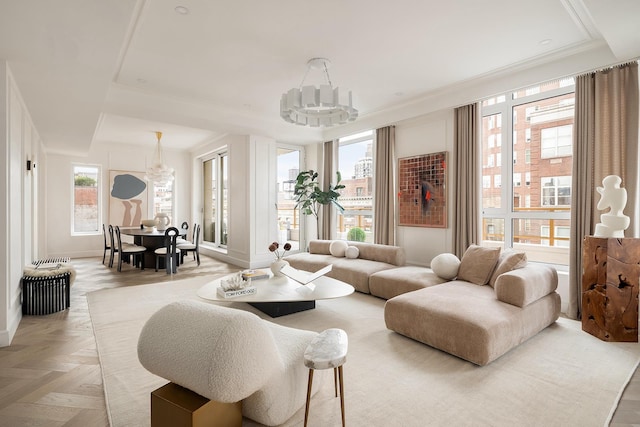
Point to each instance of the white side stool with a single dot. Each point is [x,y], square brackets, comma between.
[327,350]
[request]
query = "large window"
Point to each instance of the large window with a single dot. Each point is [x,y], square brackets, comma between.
[289,224]
[86,200]
[355,163]
[526,197]
[216,203]
[163,200]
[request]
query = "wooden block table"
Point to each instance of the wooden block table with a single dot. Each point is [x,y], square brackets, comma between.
[611,272]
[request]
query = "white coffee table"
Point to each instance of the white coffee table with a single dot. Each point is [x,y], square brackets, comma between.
[279,296]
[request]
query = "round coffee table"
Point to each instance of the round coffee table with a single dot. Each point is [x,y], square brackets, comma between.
[279,296]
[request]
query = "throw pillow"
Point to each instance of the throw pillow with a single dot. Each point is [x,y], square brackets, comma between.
[509,260]
[445,266]
[338,248]
[352,252]
[477,264]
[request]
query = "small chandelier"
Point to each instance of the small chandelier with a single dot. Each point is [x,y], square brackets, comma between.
[159,173]
[311,106]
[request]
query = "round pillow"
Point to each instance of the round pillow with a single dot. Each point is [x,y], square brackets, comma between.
[337,248]
[352,252]
[445,266]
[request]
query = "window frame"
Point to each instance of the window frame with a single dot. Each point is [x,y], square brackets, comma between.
[99,203]
[506,212]
[216,156]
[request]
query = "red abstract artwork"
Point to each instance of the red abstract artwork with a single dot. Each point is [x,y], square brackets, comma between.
[422,198]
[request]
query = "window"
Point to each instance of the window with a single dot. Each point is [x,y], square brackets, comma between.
[86,217]
[556,191]
[557,141]
[532,215]
[163,200]
[216,203]
[289,225]
[355,163]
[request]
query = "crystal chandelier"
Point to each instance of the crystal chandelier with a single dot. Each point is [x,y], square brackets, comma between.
[311,106]
[159,173]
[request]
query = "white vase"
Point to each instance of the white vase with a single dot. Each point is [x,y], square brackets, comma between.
[276,266]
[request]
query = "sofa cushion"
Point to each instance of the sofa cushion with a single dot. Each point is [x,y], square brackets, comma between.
[337,248]
[445,265]
[393,282]
[320,247]
[477,264]
[526,285]
[356,272]
[352,252]
[509,260]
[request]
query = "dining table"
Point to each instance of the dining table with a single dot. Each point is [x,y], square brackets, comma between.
[151,238]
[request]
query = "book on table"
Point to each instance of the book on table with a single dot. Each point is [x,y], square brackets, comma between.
[304,277]
[255,275]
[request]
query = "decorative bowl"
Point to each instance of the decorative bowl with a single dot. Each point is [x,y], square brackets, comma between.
[149,222]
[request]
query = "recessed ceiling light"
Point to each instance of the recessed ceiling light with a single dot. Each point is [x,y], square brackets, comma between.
[545,42]
[182,10]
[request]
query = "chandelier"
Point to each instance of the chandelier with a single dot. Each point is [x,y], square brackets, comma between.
[311,106]
[159,173]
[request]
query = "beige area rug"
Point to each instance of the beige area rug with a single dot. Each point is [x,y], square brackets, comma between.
[561,377]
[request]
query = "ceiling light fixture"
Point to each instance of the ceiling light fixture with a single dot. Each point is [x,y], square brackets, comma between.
[311,106]
[159,173]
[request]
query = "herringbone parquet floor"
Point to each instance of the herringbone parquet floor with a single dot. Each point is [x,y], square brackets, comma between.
[50,375]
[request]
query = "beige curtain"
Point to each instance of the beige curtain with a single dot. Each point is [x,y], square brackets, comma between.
[384,199]
[466,210]
[324,231]
[605,143]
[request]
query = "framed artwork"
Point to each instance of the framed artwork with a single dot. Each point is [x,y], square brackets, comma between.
[128,198]
[422,195]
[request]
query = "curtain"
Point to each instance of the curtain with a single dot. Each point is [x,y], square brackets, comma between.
[605,142]
[324,230]
[384,199]
[466,179]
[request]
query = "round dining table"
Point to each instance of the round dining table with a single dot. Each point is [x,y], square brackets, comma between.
[150,238]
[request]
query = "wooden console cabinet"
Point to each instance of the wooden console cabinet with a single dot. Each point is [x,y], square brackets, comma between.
[611,272]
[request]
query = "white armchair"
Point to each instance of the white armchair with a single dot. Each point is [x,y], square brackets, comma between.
[229,355]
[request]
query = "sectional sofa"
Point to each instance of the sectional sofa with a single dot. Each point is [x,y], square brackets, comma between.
[477,308]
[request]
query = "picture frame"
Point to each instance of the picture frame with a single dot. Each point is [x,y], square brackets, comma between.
[128,198]
[422,190]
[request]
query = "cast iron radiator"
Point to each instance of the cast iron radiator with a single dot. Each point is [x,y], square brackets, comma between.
[46,294]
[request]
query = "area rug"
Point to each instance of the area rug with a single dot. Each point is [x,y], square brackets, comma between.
[561,377]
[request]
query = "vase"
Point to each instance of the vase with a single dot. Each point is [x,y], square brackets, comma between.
[276,266]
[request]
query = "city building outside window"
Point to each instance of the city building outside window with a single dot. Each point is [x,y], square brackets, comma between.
[215,197]
[355,163]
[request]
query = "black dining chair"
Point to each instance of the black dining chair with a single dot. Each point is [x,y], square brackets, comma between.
[129,249]
[112,245]
[107,244]
[170,251]
[184,227]
[193,246]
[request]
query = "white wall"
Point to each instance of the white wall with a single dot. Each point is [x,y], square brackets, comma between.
[19,141]
[59,192]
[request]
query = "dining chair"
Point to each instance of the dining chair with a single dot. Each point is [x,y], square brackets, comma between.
[193,246]
[107,244]
[129,249]
[170,251]
[180,239]
[113,246]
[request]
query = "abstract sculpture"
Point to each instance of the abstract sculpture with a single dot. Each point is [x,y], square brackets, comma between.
[613,223]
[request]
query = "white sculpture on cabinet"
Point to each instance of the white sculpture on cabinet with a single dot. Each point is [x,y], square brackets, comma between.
[613,223]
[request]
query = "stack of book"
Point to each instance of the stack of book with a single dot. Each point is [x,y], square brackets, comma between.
[254,275]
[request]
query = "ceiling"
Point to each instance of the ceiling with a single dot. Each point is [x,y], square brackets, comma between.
[98,72]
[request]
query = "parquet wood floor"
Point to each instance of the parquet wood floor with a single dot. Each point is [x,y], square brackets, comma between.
[50,375]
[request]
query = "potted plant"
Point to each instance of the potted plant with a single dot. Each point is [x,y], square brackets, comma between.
[309,195]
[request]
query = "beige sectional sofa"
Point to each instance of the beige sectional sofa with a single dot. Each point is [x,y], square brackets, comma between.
[493,301]
[371,259]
